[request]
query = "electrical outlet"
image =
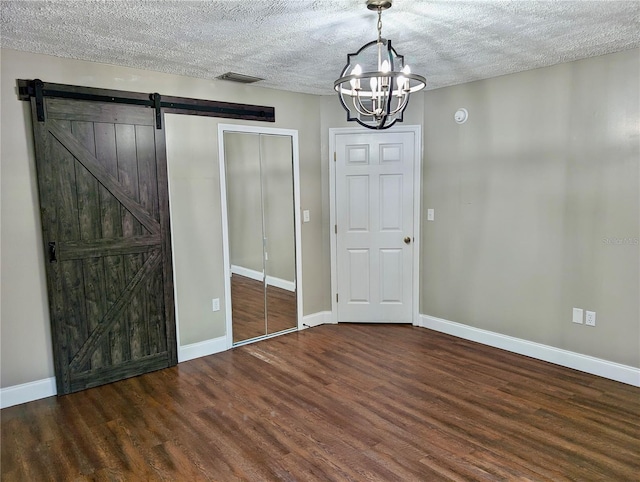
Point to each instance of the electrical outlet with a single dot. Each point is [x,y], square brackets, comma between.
[577,315]
[590,318]
[215,304]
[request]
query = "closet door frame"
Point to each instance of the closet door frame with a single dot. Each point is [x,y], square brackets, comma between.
[222,128]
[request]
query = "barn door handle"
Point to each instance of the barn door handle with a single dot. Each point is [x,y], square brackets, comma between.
[52,252]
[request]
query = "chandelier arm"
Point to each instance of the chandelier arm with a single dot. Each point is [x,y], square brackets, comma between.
[353,100]
[364,110]
[402,103]
[360,108]
[391,110]
[375,98]
[357,106]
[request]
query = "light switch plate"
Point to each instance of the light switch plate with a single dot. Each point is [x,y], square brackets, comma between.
[305,216]
[431,214]
[577,315]
[215,304]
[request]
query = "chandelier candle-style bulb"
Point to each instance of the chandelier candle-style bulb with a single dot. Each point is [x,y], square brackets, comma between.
[355,82]
[389,84]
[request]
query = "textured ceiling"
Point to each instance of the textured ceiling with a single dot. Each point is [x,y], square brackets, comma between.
[301,45]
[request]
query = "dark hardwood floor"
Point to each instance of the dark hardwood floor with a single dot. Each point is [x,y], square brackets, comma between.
[336,402]
[281,309]
[248,309]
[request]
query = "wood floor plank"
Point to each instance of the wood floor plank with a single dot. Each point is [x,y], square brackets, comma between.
[336,402]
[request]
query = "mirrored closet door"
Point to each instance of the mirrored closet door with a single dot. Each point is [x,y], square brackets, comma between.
[261,228]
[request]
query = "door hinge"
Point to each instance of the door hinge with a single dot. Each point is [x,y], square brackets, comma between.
[334,156]
[336,297]
[335,226]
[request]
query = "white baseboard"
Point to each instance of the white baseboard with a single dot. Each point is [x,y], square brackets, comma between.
[259,276]
[281,283]
[558,356]
[247,273]
[315,319]
[203,348]
[27,392]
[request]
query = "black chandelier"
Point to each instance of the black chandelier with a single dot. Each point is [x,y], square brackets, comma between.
[375,84]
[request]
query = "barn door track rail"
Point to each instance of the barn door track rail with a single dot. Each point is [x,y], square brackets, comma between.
[167,104]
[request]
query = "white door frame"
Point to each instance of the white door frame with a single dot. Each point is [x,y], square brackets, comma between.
[417,170]
[222,128]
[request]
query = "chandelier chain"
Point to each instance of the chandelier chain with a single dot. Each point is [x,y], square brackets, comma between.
[379,24]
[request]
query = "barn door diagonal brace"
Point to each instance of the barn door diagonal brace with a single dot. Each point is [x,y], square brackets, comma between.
[175,105]
[114,312]
[95,168]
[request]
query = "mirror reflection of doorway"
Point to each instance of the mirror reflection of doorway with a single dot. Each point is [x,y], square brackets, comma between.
[261,228]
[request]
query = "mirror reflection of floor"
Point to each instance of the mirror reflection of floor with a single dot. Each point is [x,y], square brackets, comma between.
[248,309]
[281,309]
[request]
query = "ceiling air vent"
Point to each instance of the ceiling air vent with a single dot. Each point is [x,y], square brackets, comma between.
[241,78]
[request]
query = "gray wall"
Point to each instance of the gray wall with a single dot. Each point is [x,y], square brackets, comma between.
[25,340]
[525,192]
[196,222]
[531,196]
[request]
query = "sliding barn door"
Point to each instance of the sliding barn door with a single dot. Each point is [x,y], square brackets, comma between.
[105,220]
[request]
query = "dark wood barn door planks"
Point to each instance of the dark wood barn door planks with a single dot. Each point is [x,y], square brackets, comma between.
[105,219]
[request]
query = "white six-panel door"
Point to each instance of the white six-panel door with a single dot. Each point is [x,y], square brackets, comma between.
[374,218]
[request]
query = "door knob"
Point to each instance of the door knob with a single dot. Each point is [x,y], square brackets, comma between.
[407,240]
